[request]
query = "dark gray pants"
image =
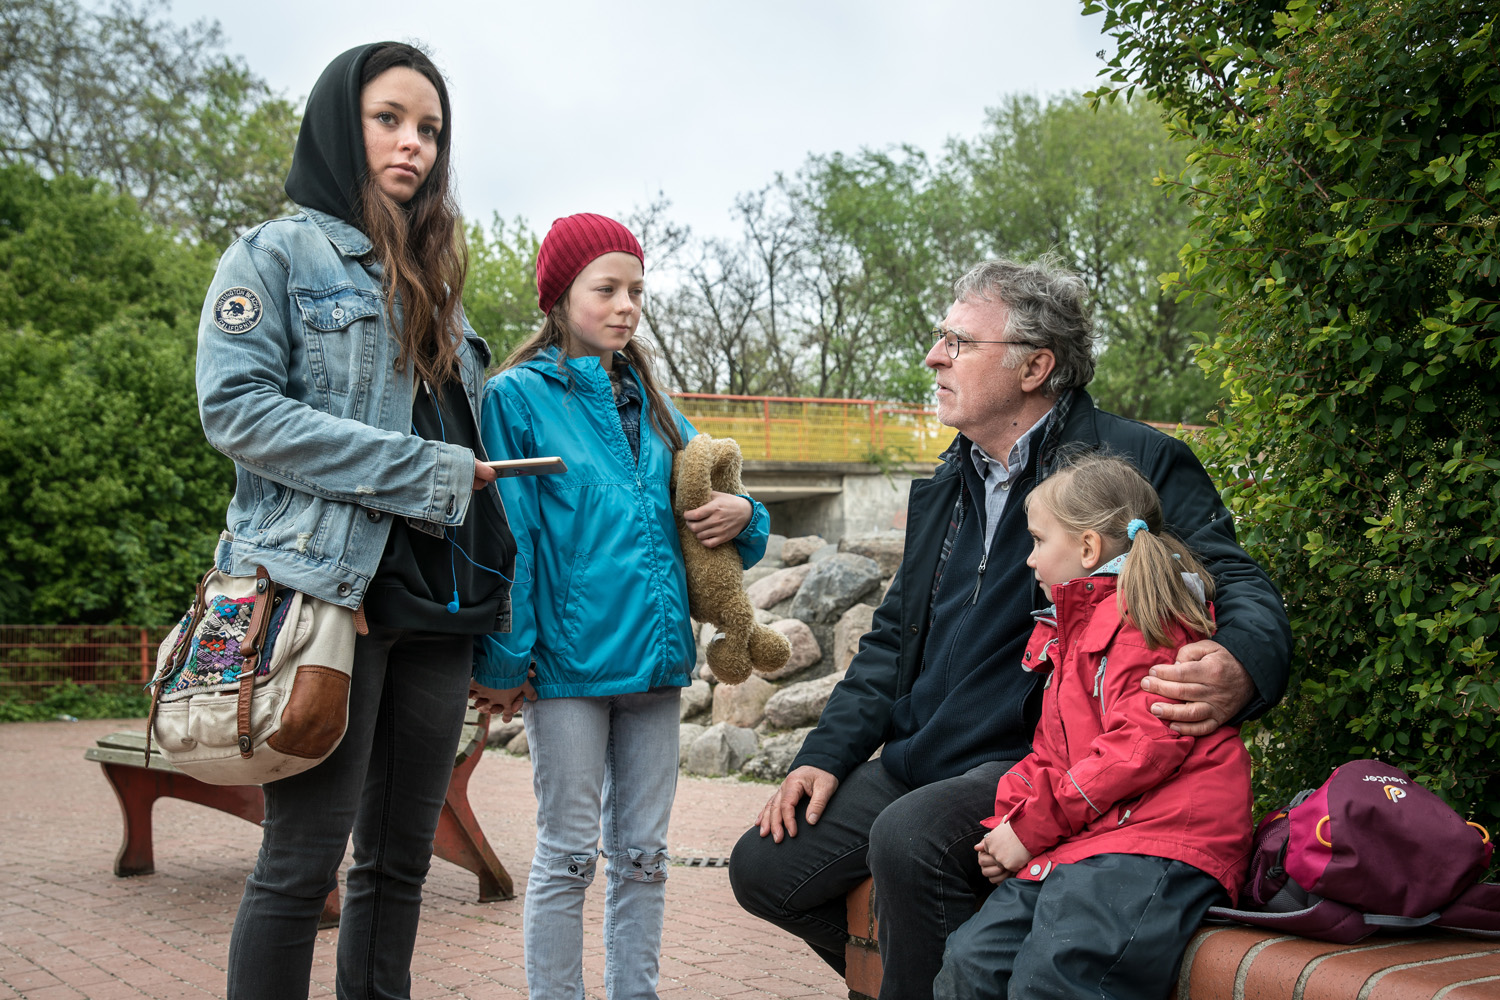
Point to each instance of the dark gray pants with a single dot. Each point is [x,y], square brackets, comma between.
[1114,926]
[386,783]
[919,845]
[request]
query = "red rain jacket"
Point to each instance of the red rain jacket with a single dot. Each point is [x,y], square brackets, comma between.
[1105,776]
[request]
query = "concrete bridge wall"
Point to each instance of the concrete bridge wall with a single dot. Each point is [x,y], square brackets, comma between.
[832,499]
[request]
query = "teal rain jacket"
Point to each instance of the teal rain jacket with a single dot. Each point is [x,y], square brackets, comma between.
[600,597]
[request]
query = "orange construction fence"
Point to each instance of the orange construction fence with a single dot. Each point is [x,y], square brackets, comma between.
[799,429]
[39,655]
[792,429]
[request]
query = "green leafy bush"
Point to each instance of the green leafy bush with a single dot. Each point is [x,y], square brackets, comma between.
[1346,167]
[500,292]
[110,498]
[75,701]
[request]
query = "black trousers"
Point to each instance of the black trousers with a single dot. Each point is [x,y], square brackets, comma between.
[919,845]
[1114,925]
[386,784]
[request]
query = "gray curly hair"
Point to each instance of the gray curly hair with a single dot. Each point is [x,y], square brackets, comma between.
[1046,305]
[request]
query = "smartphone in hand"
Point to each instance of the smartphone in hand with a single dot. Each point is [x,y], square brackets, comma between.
[549,465]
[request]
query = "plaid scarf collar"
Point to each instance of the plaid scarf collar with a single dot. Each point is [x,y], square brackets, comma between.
[1047,454]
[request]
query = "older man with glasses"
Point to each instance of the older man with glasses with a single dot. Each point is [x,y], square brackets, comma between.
[937,686]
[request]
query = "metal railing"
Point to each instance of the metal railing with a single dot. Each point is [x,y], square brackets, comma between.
[40,655]
[794,429]
[802,429]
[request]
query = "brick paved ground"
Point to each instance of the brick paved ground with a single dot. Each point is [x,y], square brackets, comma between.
[70,929]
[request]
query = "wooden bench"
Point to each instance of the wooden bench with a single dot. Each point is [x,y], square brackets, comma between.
[1246,963]
[862,969]
[138,785]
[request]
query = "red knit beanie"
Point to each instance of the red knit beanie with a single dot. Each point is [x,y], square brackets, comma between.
[573,244]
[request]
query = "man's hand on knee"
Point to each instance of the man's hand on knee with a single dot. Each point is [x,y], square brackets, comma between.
[779,815]
[1209,681]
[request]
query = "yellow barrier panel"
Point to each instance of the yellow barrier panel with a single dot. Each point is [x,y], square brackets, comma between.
[793,429]
[790,429]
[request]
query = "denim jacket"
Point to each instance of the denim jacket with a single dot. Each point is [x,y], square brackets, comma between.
[297,384]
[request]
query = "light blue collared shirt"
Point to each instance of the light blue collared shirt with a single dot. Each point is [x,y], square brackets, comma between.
[998,475]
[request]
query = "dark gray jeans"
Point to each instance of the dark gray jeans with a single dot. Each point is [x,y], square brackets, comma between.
[385,783]
[1114,925]
[919,845]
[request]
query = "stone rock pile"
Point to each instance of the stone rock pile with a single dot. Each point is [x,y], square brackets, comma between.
[822,597]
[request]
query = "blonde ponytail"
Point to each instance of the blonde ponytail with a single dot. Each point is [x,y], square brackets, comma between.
[1152,593]
[1107,495]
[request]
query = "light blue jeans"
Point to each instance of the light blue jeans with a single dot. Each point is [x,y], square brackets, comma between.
[608,761]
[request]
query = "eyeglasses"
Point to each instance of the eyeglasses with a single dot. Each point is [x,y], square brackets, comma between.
[952,341]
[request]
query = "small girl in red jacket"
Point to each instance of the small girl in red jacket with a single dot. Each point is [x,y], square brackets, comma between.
[1111,840]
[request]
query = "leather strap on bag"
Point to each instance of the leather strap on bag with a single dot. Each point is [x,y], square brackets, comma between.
[251,650]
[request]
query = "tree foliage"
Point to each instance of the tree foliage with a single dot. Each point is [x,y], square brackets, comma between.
[840,269]
[500,293]
[786,308]
[153,109]
[1346,168]
[884,225]
[110,498]
[1082,180]
[71,254]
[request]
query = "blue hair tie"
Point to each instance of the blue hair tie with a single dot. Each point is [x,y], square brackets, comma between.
[1136,525]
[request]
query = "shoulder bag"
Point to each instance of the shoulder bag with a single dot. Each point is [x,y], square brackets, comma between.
[253,683]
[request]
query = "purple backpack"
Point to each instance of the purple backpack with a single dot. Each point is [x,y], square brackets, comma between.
[1368,850]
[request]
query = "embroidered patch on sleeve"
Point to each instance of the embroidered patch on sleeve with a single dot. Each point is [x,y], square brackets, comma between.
[237,310]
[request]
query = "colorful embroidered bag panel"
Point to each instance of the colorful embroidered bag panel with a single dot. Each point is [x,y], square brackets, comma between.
[213,661]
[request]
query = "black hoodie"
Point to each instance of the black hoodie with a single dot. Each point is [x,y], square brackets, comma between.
[419,572]
[328,165]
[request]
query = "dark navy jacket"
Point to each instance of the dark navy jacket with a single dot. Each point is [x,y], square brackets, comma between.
[946,698]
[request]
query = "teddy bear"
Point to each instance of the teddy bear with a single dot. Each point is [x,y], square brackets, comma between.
[716,592]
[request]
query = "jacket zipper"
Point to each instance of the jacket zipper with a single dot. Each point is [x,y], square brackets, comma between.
[963,509]
[1061,639]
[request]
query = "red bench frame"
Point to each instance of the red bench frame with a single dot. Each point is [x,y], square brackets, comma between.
[459,838]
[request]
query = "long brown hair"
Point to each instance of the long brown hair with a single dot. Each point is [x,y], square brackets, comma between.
[554,333]
[419,244]
[1104,494]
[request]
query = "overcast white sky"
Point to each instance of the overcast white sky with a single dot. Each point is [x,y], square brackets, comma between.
[589,105]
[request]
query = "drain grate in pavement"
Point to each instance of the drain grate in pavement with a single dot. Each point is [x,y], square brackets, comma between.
[701,862]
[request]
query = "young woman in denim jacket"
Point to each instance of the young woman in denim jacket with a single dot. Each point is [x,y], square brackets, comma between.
[336,370]
[603,613]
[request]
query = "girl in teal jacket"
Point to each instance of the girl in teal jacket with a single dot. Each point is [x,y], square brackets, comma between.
[599,606]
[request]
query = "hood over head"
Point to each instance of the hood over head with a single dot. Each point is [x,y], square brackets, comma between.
[328,165]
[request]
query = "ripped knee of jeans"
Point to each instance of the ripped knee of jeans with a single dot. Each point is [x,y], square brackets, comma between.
[573,866]
[642,866]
